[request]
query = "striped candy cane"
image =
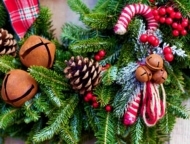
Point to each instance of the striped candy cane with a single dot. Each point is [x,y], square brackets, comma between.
[130,115]
[129,12]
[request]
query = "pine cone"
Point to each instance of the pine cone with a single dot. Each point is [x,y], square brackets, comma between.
[84,74]
[7,43]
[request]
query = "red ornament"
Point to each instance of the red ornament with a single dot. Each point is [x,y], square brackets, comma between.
[175,33]
[89,95]
[184,23]
[97,57]
[143,38]
[102,53]
[178,15]
[156,43]
[169,21]
[175,25]
[151,39]
[179,27]
[94,98]
[162,11]
[108,108]
[95,104]
[86,99]
[155,12]
[167,50]
[169,10]
[169,57]
[172,15]
[162,19]
[183,32]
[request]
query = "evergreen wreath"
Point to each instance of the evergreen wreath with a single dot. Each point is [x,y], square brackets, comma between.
[105,106]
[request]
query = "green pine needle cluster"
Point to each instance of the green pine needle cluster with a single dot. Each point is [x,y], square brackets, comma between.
[58,114]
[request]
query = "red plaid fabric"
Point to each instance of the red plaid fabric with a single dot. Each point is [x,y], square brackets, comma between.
[22,13]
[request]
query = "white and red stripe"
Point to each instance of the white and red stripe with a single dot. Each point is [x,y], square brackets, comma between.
[130,115]
[129,12]
[153,106]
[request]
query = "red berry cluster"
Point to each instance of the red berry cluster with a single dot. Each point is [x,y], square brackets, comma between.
[100,55]
[168,55]
[172,17]
[89,97]
[151,39]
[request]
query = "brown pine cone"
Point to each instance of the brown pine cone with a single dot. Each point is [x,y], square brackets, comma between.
[84,74]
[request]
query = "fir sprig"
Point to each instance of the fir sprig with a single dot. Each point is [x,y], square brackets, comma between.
[48,77]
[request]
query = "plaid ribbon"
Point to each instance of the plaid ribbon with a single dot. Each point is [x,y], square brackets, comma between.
[22,14]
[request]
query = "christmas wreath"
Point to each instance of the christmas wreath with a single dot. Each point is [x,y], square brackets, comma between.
[121,78]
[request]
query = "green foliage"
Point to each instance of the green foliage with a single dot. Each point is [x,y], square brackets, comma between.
[48,77]
[106,134]
[79,7]
[57,120]
[110,76]
[3,16]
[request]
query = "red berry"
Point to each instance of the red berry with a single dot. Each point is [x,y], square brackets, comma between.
[102,53]
[169,57]
[108,108]
[94,98]
[95,104]
[178,15]
[167,50]
[89,95]
[162,20]
[169,10]
[172,15]
[155,12]
[151,39]
[174,25]
[179,27]
[157,18]
[183,32]
[162,11]
[169,21]
[184,23]
[156,42]
[86,99]
[107,66]
[97,57]
[143,38]
[151,1]
[175,33]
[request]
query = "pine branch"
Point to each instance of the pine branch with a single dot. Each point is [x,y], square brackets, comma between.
[183,6]
[67,135]
[98,20]
[48,77]
[178,111]
[105,94]
[53,94]
[30,113]
[3,16]
[101,5]
[110,76]
[92,45]
[9,117]
[137,132]
[79,7]
[76,124]
[93,120]
[57,120]
[7,63]
[106,134]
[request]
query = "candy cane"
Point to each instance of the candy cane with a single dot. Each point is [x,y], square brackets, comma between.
[129,12]
[130,115]
[153,108]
